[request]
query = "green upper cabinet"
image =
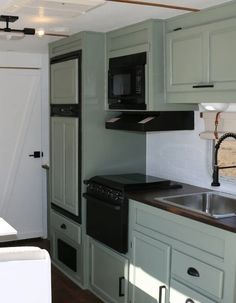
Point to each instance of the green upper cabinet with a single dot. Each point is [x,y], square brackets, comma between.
[200,63]
[185,60]
[222,50]
[147,36]
[64,82]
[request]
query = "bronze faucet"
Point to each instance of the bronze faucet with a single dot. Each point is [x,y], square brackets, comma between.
[215,175]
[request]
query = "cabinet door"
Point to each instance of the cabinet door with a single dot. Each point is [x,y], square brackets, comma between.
[64,163]
[186,60]
[108,273]
[149,270]
[64,82]
[222,43]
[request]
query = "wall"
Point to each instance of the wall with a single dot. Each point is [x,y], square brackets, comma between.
[183,156]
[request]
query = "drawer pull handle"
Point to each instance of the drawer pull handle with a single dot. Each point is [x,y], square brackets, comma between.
[63,226]
[121,293]
[203,86]
[189,301]
[193,272]
[160,293]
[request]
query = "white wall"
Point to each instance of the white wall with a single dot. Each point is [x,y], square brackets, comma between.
[183,156]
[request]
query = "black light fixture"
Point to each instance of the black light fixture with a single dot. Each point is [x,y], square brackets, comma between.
[11,33]
[15,34]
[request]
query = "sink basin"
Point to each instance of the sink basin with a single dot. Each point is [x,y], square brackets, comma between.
[213,204]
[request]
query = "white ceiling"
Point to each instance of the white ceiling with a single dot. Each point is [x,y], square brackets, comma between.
[71,16]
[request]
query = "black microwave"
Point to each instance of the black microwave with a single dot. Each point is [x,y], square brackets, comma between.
[126,82]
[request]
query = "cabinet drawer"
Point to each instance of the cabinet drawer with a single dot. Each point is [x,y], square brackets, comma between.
[189,232]
[197,274]
[66,227]
[182,294]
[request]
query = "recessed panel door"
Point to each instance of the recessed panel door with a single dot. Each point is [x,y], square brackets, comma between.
[64,163]
[186,60]
[149,270]
[64,82]
[222,50]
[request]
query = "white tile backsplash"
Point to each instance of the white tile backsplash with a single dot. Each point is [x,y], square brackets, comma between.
[183,156]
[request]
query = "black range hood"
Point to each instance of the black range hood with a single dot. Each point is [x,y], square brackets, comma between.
[153,121]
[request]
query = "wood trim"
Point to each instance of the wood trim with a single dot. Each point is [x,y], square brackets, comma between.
[56,35]
[182,8]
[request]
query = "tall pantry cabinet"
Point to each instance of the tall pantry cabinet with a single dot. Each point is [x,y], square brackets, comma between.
[80,146]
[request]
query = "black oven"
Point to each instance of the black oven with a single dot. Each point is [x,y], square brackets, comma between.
[107,216]
[107,205]
[126,82]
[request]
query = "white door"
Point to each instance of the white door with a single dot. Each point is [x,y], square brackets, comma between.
[20,135]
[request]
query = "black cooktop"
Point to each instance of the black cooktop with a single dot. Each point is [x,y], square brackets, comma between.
[134,181]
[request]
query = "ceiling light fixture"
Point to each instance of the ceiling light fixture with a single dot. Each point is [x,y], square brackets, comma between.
[182,8]
[13,34]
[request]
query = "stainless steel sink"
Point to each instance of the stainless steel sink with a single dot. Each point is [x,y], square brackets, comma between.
[213,204]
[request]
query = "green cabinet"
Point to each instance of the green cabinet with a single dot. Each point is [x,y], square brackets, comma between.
[189,261]
[200,64]
[149,269]
[147,36]
[64,82]
[64,163]
[108,273]
[185,60]
[65,240]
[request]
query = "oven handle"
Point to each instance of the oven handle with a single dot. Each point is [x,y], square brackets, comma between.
[107,204]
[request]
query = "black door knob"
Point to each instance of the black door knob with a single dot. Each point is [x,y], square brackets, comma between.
[36,154]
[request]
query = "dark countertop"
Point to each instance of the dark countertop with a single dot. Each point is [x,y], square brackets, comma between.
[147,197]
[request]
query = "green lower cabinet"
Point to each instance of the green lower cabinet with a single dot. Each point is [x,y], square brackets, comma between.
[108,274]
[174,259]
[149,270]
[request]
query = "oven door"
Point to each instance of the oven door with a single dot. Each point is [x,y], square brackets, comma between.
[108,223]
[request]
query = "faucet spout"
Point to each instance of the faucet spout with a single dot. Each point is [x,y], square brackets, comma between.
[216,168]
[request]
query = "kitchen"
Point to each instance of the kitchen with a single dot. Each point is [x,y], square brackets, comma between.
[188,163]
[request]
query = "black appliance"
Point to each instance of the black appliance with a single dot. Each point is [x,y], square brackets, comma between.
[126,82]
[152,121]
[107,206]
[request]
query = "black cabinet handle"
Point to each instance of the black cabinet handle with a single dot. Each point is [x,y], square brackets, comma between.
[189,301]
[203,85]
[63,226]
[160,293]
[121,279]
[193,272]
